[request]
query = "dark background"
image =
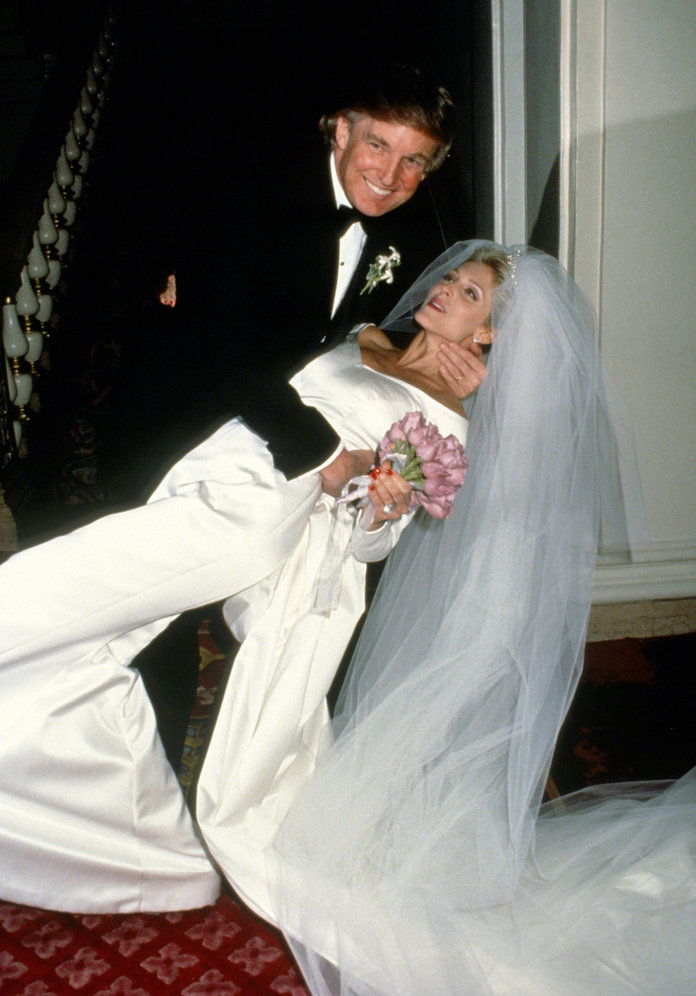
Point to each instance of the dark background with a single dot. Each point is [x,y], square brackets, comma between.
[199,90]
[226,80]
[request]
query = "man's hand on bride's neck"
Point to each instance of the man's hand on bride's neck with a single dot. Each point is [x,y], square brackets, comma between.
[448,371]
[462,368]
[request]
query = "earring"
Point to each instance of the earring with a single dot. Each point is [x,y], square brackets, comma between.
[484,338]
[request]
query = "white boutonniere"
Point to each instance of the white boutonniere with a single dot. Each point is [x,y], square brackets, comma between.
[382,270]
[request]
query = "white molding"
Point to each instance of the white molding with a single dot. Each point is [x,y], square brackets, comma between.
[583,85]
[662,571]
[509,131]
[567,181]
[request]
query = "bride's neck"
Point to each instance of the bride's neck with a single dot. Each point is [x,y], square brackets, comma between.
[421,355]
[417,364]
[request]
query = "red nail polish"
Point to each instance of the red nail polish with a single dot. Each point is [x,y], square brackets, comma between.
[389,471]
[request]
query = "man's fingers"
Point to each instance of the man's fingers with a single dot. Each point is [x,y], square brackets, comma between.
[461,369]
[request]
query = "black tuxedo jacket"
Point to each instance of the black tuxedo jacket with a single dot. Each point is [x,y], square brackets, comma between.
[255,283]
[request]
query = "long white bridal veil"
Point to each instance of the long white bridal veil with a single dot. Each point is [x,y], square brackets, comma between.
[417,862]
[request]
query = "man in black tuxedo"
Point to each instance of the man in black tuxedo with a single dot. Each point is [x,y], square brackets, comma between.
[284,240]
[278,273]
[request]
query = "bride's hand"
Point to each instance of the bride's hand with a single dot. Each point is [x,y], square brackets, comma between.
[389,493]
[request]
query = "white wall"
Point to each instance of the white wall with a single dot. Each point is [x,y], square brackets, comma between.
[649,271]
[627,100]
[635,117]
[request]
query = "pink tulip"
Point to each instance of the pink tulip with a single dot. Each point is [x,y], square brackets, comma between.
[456,476]
[438,464]
[413,421]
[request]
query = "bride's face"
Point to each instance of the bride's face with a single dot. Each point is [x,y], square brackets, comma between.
[459,306]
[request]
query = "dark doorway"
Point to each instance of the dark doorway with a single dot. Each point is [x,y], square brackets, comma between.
[283,62]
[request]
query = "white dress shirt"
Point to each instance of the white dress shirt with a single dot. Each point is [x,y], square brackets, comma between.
[350,245]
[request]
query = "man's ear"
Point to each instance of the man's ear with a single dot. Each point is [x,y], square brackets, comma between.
[342,132]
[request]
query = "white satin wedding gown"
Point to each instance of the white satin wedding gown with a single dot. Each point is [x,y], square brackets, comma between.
[91,815]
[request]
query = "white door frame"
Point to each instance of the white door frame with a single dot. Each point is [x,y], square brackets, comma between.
[509,139]
[659,573]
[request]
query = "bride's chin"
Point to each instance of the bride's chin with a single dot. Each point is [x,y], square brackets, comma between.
[426,322]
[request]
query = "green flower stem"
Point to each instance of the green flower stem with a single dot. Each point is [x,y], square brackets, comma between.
[411,471]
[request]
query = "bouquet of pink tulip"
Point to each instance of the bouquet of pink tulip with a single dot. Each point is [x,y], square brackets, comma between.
[434,465]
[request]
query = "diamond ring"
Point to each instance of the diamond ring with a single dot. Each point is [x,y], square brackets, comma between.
[388,508]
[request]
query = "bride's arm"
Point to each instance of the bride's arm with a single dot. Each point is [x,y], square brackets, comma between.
[371,545]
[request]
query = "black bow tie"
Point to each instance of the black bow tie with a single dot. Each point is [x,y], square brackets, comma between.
[344,217]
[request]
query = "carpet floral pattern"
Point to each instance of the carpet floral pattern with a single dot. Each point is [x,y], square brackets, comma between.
[221,950]
[217,951]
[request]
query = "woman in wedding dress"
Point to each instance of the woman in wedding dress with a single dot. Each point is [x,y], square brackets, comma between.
[91,816]
[419,859]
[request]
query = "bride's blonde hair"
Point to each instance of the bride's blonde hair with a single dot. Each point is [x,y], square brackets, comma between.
[493,257]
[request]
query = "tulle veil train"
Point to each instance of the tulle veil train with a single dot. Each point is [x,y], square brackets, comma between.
[419,859]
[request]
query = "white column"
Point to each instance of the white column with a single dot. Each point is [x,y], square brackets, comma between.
[509,152]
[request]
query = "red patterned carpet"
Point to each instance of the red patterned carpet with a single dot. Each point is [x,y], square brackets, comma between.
[211,671]
[633,717]
[221,950]
[218,951]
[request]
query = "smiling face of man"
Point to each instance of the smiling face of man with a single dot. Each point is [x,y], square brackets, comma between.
[380,163]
